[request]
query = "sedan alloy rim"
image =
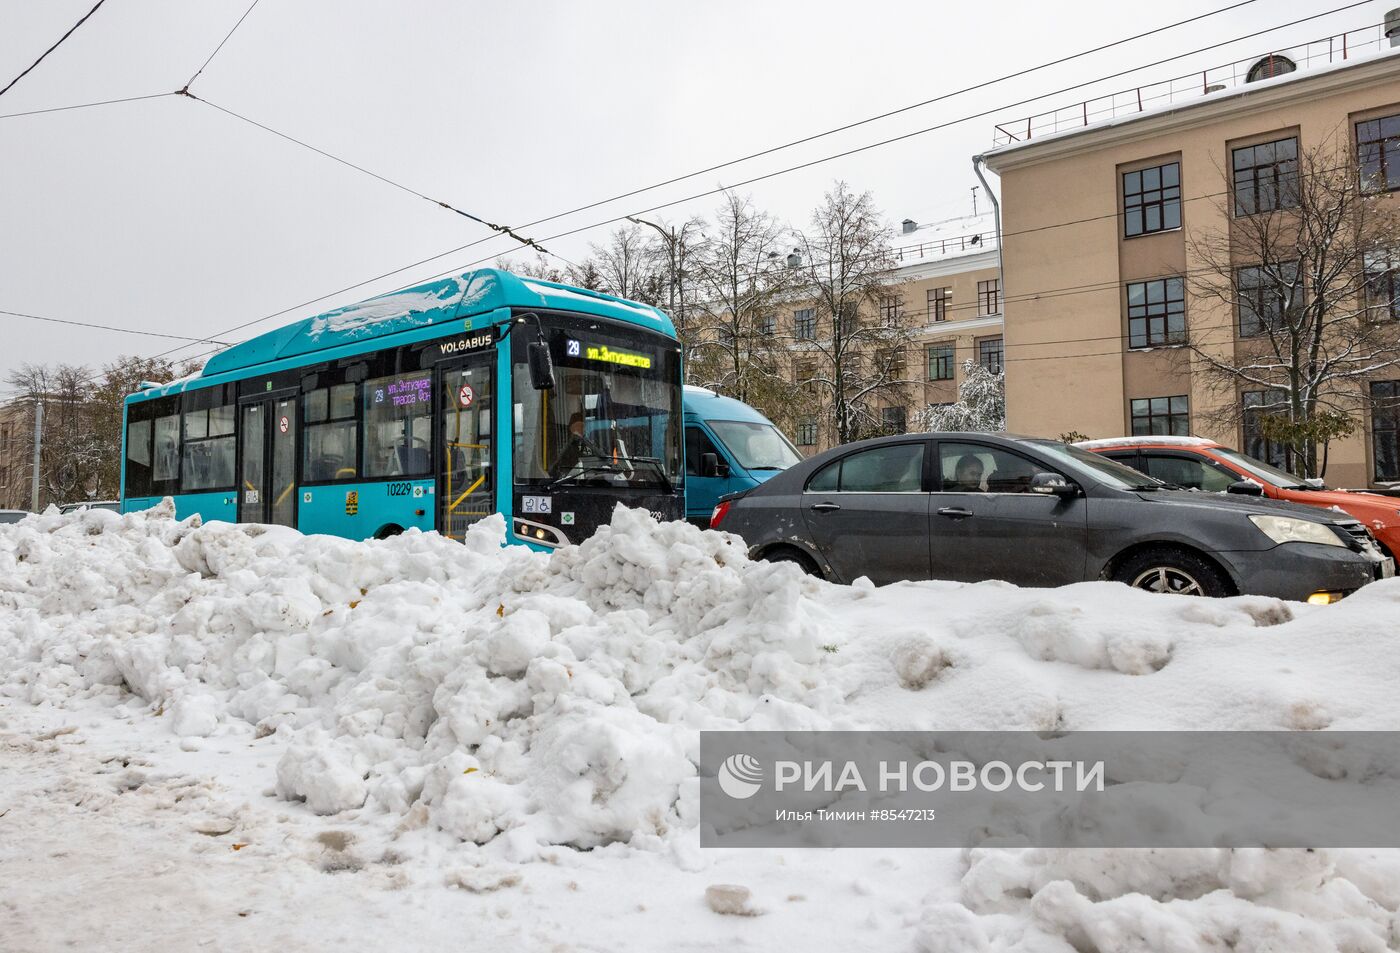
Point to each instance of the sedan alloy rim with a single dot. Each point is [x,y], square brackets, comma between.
[1169,580]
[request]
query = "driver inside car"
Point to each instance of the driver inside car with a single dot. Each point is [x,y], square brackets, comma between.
[967,475]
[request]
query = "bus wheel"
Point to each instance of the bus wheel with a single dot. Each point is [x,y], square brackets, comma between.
[393,529]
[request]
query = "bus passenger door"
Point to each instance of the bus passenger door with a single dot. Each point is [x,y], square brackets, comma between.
[465,484]
[267,473]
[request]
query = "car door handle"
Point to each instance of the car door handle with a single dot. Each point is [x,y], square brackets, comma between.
[955,512]
[826,507]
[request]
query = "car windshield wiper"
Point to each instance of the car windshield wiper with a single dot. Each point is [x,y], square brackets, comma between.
[766,468]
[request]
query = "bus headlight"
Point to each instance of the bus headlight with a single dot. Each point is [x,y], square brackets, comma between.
[1288,529]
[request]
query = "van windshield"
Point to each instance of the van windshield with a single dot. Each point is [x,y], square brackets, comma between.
[756,446]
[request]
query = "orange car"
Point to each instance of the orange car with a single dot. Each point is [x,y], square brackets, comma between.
[1199,464]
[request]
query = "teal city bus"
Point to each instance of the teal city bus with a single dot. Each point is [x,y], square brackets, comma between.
[374,418]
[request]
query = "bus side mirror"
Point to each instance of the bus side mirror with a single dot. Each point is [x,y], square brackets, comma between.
[541,365]
[710,466]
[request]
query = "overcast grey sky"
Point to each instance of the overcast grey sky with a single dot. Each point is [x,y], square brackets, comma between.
[168,215]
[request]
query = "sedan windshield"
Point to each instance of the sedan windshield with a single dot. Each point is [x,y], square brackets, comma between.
[1269,474]
[756,446]
[1101,468]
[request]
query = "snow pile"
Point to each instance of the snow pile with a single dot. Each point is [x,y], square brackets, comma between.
[518,700]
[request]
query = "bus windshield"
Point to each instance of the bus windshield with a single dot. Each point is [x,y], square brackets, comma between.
[613,416]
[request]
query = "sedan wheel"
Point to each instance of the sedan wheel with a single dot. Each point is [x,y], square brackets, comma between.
[1173,570]
[1167,579]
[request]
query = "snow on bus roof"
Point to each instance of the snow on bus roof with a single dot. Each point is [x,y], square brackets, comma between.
[1159,441]
[435,302]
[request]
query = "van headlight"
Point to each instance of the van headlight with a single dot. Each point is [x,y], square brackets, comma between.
[1287,529]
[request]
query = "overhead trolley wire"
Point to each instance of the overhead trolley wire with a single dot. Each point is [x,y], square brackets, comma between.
[65,36]
[881,143]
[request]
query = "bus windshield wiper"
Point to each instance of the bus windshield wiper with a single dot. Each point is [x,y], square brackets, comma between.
[607,466]
[666,483]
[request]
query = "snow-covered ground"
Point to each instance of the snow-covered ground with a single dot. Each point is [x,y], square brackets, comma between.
[234,737]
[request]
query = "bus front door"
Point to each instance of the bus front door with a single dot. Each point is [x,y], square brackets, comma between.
[267,437]
[465,488]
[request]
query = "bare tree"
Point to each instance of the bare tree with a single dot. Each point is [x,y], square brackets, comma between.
[742,275]
[71,453]
[862,334]
[630,265]
[537,267]
[1305,269]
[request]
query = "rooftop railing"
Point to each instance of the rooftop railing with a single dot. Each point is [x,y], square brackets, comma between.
[1192,86]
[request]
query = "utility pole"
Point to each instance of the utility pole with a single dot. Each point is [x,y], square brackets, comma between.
[675,289]
[38,446]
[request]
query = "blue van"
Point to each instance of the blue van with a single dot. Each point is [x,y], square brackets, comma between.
[729,447]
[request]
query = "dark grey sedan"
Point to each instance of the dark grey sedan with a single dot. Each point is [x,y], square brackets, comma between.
[970,506]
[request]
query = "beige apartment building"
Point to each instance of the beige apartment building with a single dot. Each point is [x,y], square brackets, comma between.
[946,290]
[16,454]
[1098,221]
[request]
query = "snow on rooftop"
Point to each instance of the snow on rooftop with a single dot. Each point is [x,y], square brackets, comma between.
[948,238]
[220,716]
[1067,121]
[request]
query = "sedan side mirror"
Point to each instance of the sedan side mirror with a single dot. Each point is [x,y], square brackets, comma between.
[1053,483]
[1245,488]
[541,365]
[712,466]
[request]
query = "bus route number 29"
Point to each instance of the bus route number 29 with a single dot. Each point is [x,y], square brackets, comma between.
[400,489]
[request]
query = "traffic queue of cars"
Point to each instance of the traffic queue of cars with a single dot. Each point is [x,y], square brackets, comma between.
[1037,512]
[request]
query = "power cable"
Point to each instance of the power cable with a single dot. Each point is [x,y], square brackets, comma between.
[103,102]
[108,327]
[499,229]
[226,38]
[65,36]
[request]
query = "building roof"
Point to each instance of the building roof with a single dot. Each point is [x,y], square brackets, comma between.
[1202,106]
[947,239]
[437,302]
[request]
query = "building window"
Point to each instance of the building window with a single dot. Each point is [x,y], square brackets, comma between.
[1156,312]
[889,361]
[768,324]
[1385,429]
[807,432]
[850,319]
[939,301]
[1266,176]
[1156,416]
[893,419]
[1378,153]
[891,310]
[1259,404]
[1152,200]
[803,372]
[989,354]
[804,324]
[1382,293]
[989,297]
[1267,296]
[940,362]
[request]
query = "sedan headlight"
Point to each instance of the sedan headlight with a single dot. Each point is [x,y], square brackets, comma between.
[1288,529]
